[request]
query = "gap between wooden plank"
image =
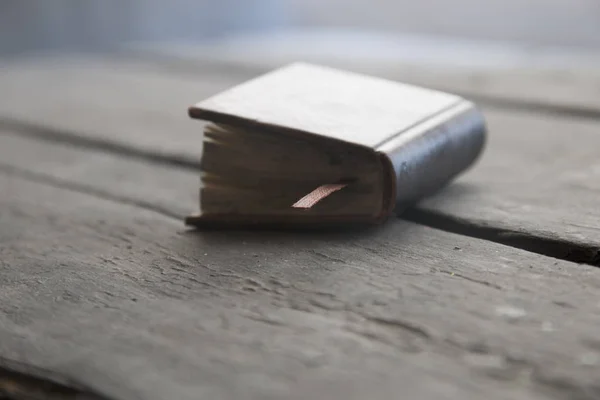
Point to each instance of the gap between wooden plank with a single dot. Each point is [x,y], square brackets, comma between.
[66,184]
[76,139]
[547,246]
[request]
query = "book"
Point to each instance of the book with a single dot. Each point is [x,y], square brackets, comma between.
[307,145]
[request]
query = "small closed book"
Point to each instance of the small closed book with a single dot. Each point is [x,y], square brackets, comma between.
[312,146]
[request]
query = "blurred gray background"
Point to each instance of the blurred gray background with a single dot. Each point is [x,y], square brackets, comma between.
[92,25]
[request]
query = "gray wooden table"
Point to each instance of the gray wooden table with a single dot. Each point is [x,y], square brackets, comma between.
[488,290]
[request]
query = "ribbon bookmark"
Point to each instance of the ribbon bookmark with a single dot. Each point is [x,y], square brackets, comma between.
[318,194]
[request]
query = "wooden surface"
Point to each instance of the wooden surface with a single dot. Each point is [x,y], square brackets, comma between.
[537,182]
[105,292]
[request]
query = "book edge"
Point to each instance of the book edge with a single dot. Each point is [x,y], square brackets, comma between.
[234,120]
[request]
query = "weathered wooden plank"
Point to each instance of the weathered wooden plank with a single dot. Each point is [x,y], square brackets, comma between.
[139,104]
[122,300]
[130,104]
[163,188]
[566,89]
[538,176]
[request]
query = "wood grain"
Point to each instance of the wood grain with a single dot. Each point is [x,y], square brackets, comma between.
[122,300]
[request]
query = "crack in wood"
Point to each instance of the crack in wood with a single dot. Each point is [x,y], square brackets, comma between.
[479,281]
[397,324]
[529,241]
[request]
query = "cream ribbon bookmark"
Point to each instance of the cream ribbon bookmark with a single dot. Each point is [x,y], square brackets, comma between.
[318,194]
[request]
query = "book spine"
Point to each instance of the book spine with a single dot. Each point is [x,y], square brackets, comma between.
[428,156]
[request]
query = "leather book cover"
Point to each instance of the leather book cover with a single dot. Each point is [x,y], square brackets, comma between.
[421,138]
